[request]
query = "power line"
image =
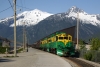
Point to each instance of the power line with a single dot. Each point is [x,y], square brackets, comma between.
[21,4]
[24,7]
[11,5]
[5,9]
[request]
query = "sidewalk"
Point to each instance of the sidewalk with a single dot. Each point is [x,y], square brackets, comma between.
[34,58]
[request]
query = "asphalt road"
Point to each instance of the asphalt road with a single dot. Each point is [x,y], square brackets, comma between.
[34,58]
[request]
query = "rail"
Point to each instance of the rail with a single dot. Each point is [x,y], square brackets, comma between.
[80,63]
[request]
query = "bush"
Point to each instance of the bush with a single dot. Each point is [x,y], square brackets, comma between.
[3,50]
[88,56]
[19,50]
[0,44]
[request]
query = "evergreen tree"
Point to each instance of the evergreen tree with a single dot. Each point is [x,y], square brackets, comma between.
[95,43]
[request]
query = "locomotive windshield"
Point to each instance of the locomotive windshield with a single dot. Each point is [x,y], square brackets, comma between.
[61,38]
[65,37]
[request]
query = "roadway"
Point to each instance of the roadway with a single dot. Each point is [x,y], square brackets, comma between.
[33,58]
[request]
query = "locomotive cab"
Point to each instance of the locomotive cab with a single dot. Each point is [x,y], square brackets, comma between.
[64,38]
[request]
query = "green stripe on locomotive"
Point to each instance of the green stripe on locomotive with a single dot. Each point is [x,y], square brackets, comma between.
[62,42]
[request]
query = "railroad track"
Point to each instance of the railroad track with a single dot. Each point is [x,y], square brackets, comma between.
[80,63]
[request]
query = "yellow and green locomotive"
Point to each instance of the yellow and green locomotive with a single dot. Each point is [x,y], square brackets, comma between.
[59,43]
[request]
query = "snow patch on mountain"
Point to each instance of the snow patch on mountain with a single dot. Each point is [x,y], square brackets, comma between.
[83,16]
[31,17]
[6,19]
[28,17]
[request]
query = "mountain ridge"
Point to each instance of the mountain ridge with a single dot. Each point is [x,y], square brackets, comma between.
[33,17]
[89,25]
[29,17]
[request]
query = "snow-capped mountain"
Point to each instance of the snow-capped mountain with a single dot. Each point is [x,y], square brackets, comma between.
[41,24]
[35,16]
[89,25]
[83,16]
[28,17]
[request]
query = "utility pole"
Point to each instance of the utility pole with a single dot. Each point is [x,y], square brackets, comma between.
[77,30]
[23,36]
[26,41]
[15,54]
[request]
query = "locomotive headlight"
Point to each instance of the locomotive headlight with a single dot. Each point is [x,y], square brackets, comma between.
[59,52]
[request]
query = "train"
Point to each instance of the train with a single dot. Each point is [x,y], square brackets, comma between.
[59,43]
